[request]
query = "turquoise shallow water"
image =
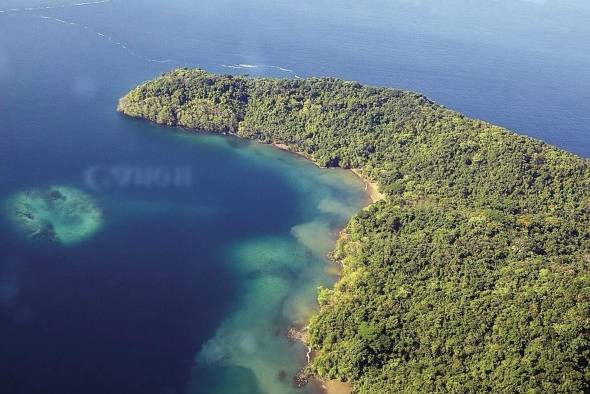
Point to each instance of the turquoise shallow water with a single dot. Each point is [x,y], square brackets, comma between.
[280,274]
[209,248]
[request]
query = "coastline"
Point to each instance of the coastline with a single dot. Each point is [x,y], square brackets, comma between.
[371,188]
[286,148]
[297,334]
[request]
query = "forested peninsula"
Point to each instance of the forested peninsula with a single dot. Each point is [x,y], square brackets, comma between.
[472,275]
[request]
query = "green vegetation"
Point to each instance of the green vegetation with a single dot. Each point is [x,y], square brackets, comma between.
[471,276]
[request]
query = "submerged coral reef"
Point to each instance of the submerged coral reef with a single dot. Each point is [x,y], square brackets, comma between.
[57,214]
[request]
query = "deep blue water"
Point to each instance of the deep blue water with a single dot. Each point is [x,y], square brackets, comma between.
[190,287]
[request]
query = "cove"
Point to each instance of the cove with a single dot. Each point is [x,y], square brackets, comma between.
[191,283]
[279,273]
[189,286]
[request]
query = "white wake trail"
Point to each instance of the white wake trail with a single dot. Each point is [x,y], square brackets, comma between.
[123,45]
[104,36]
[54,7]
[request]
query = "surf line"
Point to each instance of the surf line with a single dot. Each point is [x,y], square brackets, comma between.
[53,7]
[104,36]
[252,66]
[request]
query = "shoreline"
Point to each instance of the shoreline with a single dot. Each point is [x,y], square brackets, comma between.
[373,195]
[295,334]
[287,149]
[371,188]
[303,378]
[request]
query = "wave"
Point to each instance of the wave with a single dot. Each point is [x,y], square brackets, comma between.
[91,3]
[253,66]
[282,69]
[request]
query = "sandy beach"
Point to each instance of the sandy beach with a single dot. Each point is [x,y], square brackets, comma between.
[372,188]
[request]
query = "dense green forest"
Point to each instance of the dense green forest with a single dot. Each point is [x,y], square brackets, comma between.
[471,276]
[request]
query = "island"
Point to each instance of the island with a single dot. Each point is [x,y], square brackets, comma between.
[471,274]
